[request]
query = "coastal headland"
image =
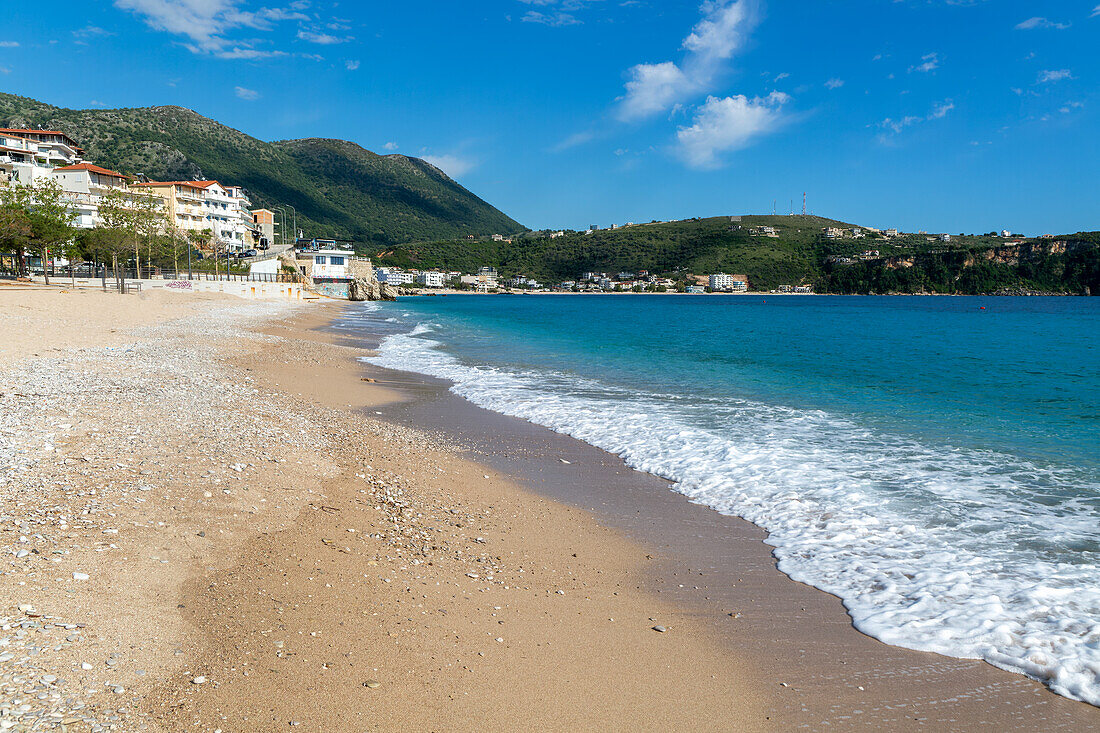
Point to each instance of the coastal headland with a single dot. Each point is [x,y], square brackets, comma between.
[215,518]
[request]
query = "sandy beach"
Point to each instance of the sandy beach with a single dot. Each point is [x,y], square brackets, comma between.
[215,518]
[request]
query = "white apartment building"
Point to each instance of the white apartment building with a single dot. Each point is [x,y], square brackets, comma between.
[487,276]
[223,214]
[394,276]
[246,231]
[85,184]
[431,279]
[721,281]
[26,159]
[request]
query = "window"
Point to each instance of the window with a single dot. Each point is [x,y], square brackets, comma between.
[318,260]
[336,260]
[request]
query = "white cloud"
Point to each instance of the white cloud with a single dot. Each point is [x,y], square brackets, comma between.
[1069,107]
[577,138]
[1038,22]
[657,87]
[939,111]
[929,62]
[247,94]
[653,88]
[1095,12]
[5,70]
[834,83]
[206,23]
[1049,77]
[725,124]
[323,39]
[722,31]
[554,19]
[781,77]
[351,64]
[9,44]
[454,166]
[390,146]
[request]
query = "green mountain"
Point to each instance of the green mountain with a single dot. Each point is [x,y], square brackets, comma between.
[339,189]
[798,254]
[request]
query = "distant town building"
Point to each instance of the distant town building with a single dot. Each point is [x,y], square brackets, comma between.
[725,283]
[721,281]
[431,279]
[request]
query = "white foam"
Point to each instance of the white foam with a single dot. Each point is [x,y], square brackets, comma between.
[927,548]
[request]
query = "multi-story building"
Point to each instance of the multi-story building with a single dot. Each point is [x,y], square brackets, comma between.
[431,279]
[264,219]
[394,276]
[85,185]
[184,201]
[728,283]
[486,278]
[243,229]
[222,215]
[721,281]
[58,148]
[27,156]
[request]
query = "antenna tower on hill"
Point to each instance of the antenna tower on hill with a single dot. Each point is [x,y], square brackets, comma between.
[803,203]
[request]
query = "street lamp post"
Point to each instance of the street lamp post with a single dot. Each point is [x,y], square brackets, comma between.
[295,224]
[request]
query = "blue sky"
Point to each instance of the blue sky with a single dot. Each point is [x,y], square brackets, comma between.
[942,115]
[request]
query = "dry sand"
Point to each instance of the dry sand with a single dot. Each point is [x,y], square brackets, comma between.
[217,546]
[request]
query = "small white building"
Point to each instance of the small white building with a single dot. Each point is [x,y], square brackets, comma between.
[328,264]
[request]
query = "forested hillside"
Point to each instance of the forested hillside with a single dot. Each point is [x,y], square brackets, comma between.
[339,189]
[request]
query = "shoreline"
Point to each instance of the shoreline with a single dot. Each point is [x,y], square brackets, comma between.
[342,554]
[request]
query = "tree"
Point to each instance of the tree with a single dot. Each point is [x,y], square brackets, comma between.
[51,219]
[149,220]
[119,229]
[15,223]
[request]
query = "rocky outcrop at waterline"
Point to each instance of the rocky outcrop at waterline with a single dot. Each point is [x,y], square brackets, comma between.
[362,288]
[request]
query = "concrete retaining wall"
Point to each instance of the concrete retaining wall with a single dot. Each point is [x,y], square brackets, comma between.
[242,289]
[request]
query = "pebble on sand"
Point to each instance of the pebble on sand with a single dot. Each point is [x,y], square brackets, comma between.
[661,629]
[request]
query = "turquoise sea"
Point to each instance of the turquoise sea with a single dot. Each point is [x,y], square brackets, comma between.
[934,462]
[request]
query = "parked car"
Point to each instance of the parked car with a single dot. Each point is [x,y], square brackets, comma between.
[251,253]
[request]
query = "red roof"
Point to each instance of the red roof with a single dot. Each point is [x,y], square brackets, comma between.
[93,168]
[205,184]
[27,131]
[189,184]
